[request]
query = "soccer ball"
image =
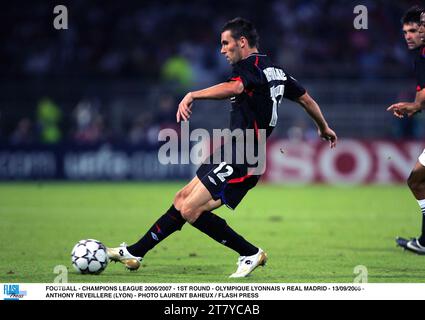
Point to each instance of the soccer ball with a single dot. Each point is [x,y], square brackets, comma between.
[89,257]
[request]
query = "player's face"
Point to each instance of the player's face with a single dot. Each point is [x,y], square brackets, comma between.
[412,36]
[230,48]
[422,28]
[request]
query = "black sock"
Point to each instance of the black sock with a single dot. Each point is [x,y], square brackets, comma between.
[217,228]
[169,223]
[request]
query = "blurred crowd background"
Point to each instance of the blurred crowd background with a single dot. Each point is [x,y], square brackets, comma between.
[119,70]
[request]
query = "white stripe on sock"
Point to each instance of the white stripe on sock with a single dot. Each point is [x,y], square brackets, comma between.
[422,205]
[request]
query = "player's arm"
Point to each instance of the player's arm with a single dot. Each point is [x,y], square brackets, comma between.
[401,109]
[220,91]
[313,110]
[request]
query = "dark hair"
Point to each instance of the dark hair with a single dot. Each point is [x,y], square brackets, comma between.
[240,27]
[413,15]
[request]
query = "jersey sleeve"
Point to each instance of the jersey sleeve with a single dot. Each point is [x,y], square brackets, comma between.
[293,89]
[420,71]
[250,75]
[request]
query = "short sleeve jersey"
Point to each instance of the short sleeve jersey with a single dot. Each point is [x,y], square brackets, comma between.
[265,86]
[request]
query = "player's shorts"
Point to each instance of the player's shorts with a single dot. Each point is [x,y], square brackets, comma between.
[226,173]
[422,158]
[228,183]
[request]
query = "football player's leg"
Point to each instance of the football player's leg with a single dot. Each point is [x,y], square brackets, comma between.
[416,184]
[197,211]
[198,200]
[416,180]
[167,224]
[185,192]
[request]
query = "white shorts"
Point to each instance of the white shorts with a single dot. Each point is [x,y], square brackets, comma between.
[422,158]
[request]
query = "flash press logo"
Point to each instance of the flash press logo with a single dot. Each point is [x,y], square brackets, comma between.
[12,292]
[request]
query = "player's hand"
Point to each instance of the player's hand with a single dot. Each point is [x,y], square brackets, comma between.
[185,108]
[329,135]
[402,109]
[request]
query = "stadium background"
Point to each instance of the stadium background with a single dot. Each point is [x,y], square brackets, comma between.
[87,103]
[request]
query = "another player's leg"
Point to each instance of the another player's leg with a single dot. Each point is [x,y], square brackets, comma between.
[167,224]
[197,211]
[416,184]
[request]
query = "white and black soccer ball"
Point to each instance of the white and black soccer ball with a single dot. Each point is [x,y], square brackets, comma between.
[89,257]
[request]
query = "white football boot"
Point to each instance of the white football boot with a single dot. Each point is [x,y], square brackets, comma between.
[248,264]
[122,255]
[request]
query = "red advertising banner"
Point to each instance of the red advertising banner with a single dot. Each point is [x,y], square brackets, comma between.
[352,162]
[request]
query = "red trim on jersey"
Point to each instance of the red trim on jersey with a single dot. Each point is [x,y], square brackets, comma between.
[256,61]
[240,180]
[423,52]
[236,79]
[418,88]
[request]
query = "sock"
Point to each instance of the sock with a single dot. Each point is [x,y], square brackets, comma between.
[217,228]
[169,223]
[422,238]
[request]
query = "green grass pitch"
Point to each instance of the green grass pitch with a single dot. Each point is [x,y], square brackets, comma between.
[312,234]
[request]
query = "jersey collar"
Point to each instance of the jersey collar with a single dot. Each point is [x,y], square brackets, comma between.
[257,54]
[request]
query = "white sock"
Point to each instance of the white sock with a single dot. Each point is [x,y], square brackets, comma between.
[422,205]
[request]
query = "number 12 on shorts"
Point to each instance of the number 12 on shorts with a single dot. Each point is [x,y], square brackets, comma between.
[223,175]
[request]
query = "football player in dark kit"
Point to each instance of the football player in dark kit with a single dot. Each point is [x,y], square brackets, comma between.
[256,88]
[414,28]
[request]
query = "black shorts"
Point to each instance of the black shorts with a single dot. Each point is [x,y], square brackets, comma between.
[229,183]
